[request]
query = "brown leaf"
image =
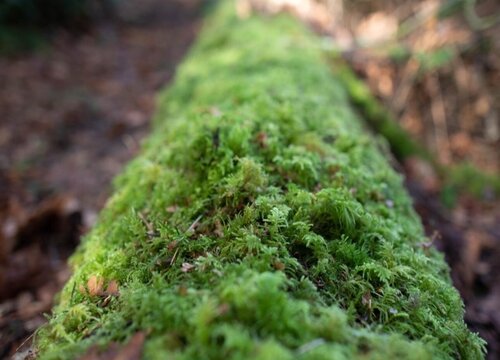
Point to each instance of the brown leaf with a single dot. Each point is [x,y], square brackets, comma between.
[461,143]
[95,285]
[186,267]
[262,139]
[377,28]
[172,209]
[172,245]
[112,288]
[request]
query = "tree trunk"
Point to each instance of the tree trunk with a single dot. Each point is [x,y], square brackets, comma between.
[260,221]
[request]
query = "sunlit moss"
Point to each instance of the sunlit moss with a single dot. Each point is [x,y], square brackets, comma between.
[260,222]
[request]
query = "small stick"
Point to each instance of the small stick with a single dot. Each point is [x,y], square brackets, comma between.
[174,257]
[151,230]
[25,341]
[193,225]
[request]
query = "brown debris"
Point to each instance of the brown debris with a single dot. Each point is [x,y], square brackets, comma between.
[24,263]
[32,266]
[187,267]
[95,285]
[172,209]
[112,288]
[132,350]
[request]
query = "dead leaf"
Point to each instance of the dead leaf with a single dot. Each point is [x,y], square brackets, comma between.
[112,288]
[172,209]
[95,285]
[262,139]
[378,27]
[172,245]
[187,267]
[461,143]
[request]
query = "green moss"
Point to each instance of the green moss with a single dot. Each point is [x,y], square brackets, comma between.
[260,221]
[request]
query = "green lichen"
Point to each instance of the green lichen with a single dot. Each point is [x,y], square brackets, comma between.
[260,222]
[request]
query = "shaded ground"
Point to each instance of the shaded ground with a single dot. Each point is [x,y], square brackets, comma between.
[72,116]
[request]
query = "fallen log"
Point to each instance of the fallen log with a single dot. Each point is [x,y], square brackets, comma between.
[261,220]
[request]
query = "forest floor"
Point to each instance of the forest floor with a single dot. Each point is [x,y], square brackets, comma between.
[74,114]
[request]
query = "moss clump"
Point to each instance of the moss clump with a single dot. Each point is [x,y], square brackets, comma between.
[260,221]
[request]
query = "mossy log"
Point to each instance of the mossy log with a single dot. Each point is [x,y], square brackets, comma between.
[260,221]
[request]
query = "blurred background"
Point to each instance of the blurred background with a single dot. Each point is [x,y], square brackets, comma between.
[78,80]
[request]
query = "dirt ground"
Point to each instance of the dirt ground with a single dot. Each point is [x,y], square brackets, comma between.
[73,115]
